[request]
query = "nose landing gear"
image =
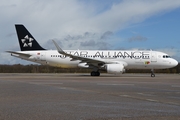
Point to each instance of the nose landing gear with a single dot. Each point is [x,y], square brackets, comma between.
[152,73]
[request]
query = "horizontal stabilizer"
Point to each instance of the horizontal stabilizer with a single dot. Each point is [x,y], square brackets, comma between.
[20,54]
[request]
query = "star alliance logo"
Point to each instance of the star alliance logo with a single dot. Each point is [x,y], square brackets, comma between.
[27,41]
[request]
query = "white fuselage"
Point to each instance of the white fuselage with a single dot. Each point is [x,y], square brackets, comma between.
[131,59]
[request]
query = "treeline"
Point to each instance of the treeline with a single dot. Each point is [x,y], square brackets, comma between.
[18,68]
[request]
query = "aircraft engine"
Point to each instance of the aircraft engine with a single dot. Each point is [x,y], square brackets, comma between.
[115,68]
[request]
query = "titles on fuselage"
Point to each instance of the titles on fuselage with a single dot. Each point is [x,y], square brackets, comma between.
[111,54]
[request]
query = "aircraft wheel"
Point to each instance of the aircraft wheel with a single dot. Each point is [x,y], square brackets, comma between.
[97,73]
[93,73]
[152,75]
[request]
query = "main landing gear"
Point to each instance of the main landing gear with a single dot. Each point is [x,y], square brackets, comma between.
[152,73]
[95,73]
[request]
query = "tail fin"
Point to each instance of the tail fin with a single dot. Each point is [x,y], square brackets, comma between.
[26,40]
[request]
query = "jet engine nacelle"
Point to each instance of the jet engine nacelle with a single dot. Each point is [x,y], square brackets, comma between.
[115,68]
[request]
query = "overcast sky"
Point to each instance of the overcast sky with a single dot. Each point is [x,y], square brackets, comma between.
[92,24]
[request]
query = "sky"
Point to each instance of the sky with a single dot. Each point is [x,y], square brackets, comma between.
[92,25]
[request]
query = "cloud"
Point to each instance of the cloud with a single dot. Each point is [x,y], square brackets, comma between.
[106,35]
[88,43]
[71,17]
[11,34]
[137,38]
[171,51]
[99,45]
[104,46]
[129,12]
[86,40]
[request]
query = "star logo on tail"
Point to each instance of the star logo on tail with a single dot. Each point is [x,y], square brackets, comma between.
[27,41]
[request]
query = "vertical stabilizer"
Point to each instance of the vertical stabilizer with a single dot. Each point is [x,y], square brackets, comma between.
[26,40]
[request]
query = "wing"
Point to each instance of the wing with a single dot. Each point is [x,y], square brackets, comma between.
[89,61]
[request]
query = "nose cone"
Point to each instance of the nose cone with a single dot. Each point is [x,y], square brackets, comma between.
[174,62]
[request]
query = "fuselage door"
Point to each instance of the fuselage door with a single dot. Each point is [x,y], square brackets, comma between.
[153,57]
[41,56]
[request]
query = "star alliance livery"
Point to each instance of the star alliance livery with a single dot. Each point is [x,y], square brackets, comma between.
[112,61]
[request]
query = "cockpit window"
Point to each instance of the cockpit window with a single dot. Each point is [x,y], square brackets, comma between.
[166,56]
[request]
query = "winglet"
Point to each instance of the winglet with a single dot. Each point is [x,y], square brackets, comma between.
[59,49]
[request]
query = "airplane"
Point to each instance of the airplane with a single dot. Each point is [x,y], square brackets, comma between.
[112,61]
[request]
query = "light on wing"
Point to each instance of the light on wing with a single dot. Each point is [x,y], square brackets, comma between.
[115,68]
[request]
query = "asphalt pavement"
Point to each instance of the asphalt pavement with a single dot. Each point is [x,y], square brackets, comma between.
[83,97]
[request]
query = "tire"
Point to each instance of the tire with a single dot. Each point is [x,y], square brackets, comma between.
[152,75]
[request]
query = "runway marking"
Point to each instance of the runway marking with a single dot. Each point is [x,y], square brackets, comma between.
[175,85]
[114,84]
[151,100]
[146,94]
[125,95]
[173,103]
[44,83]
